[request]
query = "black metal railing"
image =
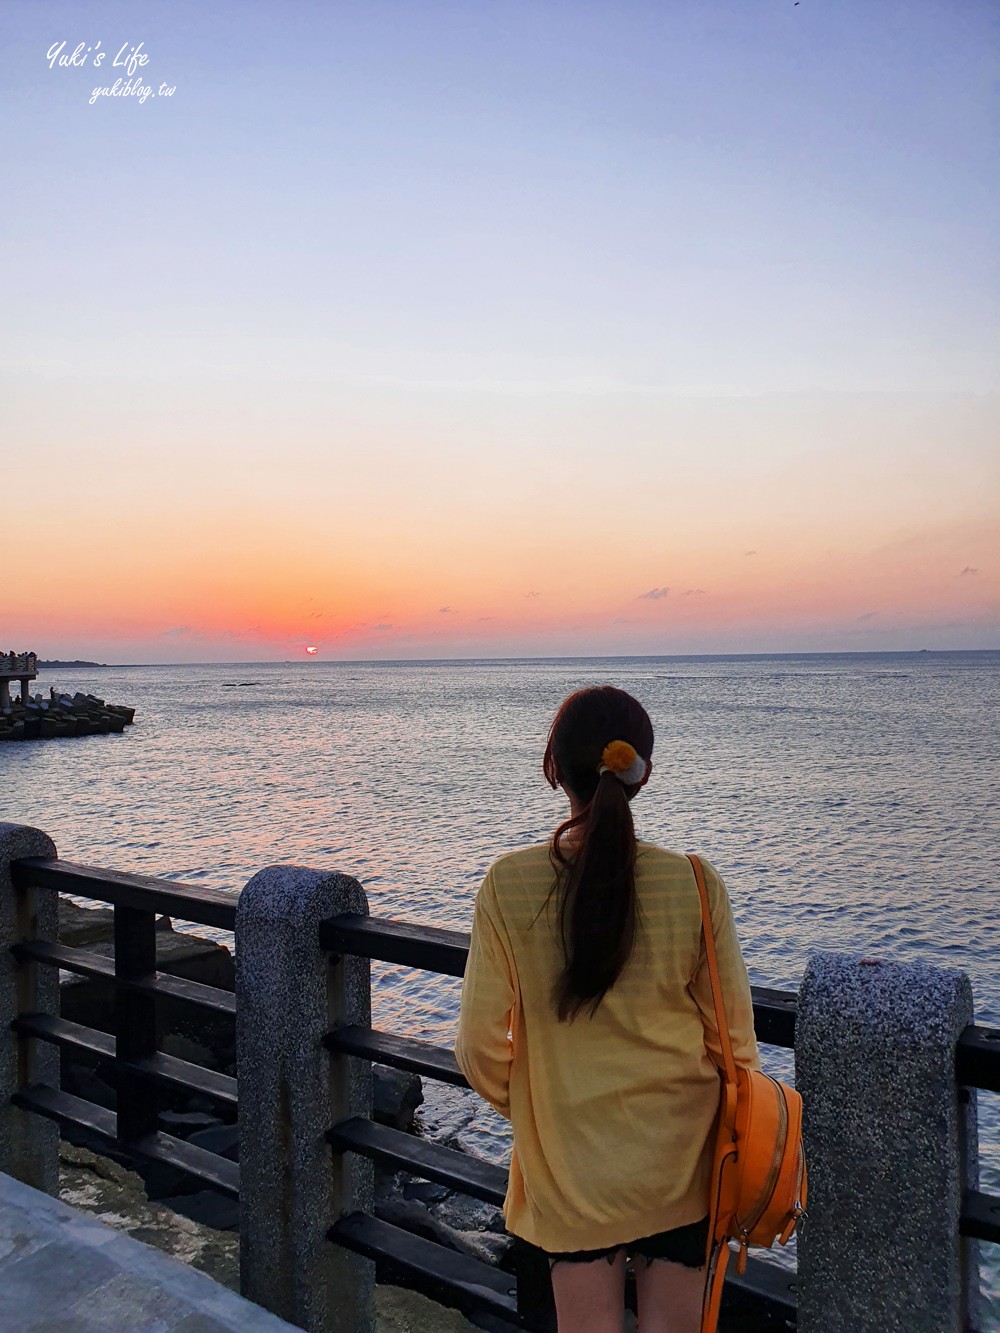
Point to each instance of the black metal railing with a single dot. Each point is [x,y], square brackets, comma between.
[130,1055]
[141,1070]
[764,1290]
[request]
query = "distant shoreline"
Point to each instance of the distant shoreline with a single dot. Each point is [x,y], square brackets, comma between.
[513,661]
[56,663]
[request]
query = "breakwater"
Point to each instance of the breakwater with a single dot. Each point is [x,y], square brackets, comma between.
[62,715]
[34,716]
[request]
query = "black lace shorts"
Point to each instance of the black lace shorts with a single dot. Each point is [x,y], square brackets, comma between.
[681,1245]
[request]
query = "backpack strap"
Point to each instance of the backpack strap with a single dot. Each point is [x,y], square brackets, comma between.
[708,932]
[717,1258]
[714,1286]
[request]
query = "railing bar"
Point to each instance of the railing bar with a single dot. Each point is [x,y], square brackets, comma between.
[194,1078]
[86,964]
[763,1289]
[438,950]
[429,1161]
[71,1036]
[419,1057]
[159,1067]
[428,947]
[978,1060]
[187,902]
[980,1217]
[66,1109]
[474,1284]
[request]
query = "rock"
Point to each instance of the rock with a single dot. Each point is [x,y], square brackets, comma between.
[207,1207]
[116,1196]
[425,1191]
[80,926]
[467,1214]
[185,1048]
[179,953]
[416,1219]
[399,1310]
[221,1139]
[85,1163]
[185,955]
[488,1246]
[398,1093]
[164,1181]
[85,1083]
[183,1123]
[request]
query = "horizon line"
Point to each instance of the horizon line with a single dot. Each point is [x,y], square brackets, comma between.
[568,657]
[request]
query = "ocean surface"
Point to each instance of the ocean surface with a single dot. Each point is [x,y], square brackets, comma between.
[849,800]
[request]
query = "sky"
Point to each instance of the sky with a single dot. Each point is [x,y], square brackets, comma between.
[415,330]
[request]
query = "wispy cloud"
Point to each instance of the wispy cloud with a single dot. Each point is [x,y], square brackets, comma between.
[176,631]
[531,594]
[654,595]
[868,615]
[242,633]
[383,627]
[444,611]
[749,552]
[968,570]
[694,592]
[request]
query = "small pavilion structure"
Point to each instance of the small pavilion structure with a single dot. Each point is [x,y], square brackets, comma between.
[16,666]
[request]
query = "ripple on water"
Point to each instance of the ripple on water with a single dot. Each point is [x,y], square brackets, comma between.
[846,799]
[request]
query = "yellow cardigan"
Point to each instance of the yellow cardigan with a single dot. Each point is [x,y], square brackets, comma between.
[611,1115]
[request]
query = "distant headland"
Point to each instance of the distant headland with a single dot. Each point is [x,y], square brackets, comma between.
[54,662]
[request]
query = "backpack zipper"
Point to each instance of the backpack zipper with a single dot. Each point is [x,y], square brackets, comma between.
[772,1178]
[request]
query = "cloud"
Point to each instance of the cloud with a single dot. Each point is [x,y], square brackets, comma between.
[968,570]
[749,552]
[694,592]
[654,595]
[868,615]
[481,619]
[531,594]
[445,611]
[240,633]
[622,620]
[177,630]
[383,627]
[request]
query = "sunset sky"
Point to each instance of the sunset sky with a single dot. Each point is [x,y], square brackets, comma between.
[499,329]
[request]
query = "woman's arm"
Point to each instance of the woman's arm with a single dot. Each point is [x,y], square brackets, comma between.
[483,1044]
[735,982]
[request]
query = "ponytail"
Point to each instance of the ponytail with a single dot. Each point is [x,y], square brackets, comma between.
[597,906]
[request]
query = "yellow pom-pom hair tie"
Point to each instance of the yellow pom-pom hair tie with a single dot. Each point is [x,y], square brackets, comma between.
[624,762]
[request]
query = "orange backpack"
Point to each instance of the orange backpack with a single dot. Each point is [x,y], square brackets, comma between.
[759,1183]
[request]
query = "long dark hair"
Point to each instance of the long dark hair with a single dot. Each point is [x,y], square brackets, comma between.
[597,906]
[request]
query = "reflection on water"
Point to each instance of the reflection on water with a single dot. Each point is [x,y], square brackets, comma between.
[846,798]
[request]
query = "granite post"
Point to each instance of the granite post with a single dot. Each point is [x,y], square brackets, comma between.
[29,1145]
[293,1186]
[890,1145]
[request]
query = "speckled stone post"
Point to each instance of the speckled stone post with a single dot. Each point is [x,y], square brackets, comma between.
[890,1146]
[293,1187]
[29,1145]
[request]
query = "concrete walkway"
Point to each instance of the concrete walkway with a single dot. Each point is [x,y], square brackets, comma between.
[64,1272]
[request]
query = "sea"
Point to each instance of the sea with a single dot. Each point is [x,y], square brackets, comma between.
[849,800]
